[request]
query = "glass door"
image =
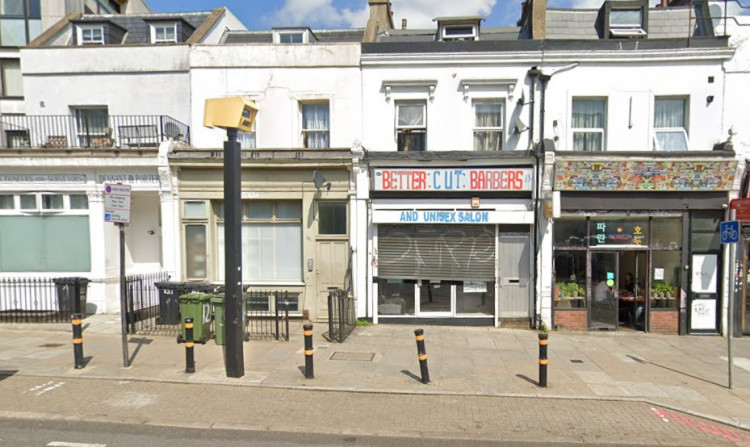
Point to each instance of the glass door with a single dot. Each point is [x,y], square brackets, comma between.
[436,299]
[603,303]
[632,294]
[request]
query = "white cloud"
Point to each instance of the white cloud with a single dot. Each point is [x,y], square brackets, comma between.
[419,13]
[316,13]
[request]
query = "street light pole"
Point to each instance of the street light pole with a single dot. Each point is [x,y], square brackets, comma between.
[233,358]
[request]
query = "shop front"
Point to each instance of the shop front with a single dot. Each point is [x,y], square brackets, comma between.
[295,224]
[637,247]
[452,244]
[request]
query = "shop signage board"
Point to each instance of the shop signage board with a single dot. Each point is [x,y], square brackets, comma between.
[117,203]
[453,179]
[741,208]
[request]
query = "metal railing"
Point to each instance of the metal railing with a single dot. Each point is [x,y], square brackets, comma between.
[32,300]
[85,131]
[714,18]
[267,315]
[342,316]
[142,302]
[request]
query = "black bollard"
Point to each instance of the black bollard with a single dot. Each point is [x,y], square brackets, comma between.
[189,346]
[422,354]
[77,320]
[543,360]
[309,373]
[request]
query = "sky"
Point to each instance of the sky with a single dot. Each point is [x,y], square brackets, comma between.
[330,14]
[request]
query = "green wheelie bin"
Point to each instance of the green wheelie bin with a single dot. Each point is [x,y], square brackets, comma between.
[220,320]
[196,305]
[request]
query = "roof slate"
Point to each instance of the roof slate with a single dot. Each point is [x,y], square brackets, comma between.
[137,27]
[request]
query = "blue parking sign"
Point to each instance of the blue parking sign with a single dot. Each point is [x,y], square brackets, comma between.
[729,232]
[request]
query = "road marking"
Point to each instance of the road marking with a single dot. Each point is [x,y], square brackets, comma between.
[43,388]
[73,444]
[712,430]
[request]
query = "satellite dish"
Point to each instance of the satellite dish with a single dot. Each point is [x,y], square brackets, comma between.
[172,130]
[520,126]
[318,179]
[522,100]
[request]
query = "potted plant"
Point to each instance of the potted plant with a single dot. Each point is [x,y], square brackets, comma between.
[662,290]
[571,289]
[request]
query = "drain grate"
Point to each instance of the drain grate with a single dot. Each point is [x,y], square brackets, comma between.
[353,356]
[51,345]
[576,361]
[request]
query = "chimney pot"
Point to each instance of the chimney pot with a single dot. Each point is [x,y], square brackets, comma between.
[403,23]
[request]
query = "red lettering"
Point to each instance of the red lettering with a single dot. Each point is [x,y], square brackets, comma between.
[386,180]
[419,180]
[519,180]
[473,180]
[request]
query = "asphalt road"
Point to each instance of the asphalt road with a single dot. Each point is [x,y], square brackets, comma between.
[82,410]
[36,433]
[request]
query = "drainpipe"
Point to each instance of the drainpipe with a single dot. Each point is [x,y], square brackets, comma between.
[534,73]
[539,155]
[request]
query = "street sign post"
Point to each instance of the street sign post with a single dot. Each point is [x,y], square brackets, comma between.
[729,232]
[117,211]
[117,203]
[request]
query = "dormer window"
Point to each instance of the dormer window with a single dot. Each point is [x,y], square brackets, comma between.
[163,32]
[293,35]
[91,35]
[626,19]
[458,28]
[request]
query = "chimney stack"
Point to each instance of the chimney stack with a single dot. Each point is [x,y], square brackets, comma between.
[403,23]
[381,19]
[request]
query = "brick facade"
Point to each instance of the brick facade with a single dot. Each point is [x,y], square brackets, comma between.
[571,320]
[665,322]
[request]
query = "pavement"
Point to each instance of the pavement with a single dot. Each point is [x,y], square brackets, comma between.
[688,374]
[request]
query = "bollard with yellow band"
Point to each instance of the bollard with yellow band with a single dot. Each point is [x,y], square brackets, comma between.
[77,321]
[308,332]
[422,355]
[543,360]
[189,346]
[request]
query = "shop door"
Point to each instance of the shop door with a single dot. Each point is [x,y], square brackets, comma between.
[514,264]
[332,258]
[631,292]
[703,308]
[602,305]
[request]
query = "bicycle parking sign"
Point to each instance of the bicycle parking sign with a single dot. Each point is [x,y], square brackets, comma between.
[729,232]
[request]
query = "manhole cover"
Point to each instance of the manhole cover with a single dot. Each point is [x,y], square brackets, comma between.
[51,345]
[576,361]
[353,356]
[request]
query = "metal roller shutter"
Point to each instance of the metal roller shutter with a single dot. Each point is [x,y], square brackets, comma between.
[437,252]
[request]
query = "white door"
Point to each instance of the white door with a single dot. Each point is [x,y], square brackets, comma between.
[514,272]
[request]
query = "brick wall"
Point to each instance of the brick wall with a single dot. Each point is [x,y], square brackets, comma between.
[571,320]
[665,322]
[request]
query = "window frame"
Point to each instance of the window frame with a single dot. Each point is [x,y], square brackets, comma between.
[345,206]
[305,132]
[198,222]
[625,30]
[671,130]
[165,26]
[4,65]
[589,130]
[38,207]
[410,129]
[83,40]
[488,129]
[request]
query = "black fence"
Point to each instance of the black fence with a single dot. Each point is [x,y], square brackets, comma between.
[342,315]
[90,130]
[41,300]
[142,302]
[267,315]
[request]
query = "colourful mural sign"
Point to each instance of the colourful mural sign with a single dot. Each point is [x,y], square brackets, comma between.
[603,175]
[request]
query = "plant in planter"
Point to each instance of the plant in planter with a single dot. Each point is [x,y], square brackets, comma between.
[662,289]
[571,289]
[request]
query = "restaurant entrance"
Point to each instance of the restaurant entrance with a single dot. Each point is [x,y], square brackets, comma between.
[618,298]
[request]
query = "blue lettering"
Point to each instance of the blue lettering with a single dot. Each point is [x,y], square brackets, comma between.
[436,180]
